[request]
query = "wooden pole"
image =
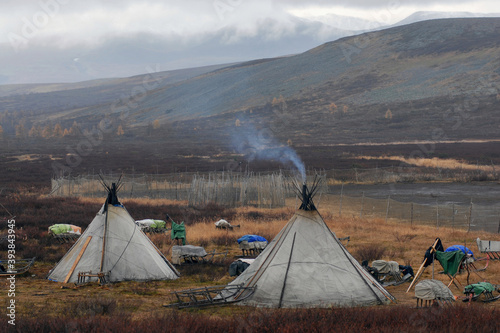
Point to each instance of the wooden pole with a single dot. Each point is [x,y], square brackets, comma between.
[470,214]
[341,194]
[387,210]
[77,259]
[453,217]
[433,259]
[286,273]
[421,269]
[437,217]
[104,236]
[362,203]
[411,214]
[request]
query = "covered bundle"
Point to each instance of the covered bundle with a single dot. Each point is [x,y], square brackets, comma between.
[151,224]
[250,242]
[431,290]
[60,229]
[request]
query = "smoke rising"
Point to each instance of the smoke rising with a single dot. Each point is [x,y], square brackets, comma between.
[261,145]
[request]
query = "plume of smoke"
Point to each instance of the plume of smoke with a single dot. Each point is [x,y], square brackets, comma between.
[261,145]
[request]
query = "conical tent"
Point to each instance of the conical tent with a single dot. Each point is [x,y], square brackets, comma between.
[306,265]
[115,246]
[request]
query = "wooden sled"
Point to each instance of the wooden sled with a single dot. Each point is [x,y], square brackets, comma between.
[65,237]
[19,267]
[85,277]
[348,238]
[485,295]
[150,230]
[393,279]
[387,273]
[227,227]
[488,297]
[209,296]
[491,249]
[209,258]
[421,303]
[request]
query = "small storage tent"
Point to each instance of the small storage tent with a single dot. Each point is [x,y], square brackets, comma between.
[115,248]
[306,265]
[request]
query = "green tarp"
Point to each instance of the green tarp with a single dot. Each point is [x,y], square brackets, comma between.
[450,261]
[479,288]
[179,231]
[58,229]
[158,224]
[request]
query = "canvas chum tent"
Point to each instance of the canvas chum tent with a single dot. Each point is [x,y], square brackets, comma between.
[306,265]
[113,247]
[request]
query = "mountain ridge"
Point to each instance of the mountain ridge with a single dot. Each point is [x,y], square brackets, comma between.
[124,56]
[398,84]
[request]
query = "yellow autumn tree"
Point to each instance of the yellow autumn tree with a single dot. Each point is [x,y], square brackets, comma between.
[279,103]
[388,114]
[120,131]
[282,103]
[58,131]
[46,132]
[275,102]
[32,132]
[20,130]
[74,129]
[156,124]
[332,107]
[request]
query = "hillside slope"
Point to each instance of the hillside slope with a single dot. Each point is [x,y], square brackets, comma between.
[432,80]
[423,60]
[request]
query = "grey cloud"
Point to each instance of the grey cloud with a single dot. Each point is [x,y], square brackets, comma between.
[111,39]
[368,3]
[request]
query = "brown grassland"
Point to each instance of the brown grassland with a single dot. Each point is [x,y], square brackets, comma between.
[45,306]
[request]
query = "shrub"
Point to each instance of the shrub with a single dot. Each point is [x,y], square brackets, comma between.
[92,306]
[379,319]
[370,252]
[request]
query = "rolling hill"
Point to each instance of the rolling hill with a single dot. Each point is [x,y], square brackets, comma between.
[432,80]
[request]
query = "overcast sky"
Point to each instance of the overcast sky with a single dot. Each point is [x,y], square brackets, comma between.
[74,40]
[66,22]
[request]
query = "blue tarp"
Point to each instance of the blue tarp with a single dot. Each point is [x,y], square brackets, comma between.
[462,248]
[252,238]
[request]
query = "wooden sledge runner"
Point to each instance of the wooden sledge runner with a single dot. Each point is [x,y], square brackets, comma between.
[491,249]
[209,296]
[474,292]
[19,267]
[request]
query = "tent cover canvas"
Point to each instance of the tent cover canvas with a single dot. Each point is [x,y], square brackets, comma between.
[433,290]
[306,265]
[115,245]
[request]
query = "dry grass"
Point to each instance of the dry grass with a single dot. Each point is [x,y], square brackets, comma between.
[435,162]
[139,201]
[39,298]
